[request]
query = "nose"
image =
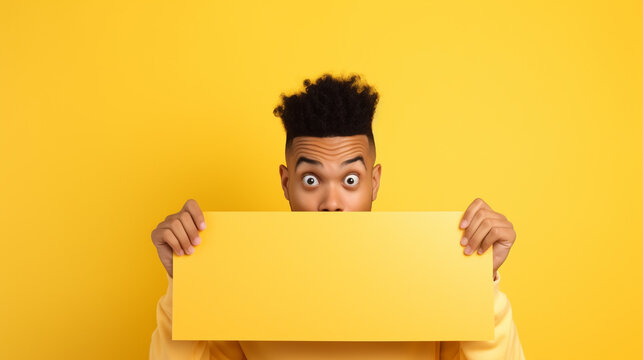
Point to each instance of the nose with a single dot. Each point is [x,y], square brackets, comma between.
[332,201]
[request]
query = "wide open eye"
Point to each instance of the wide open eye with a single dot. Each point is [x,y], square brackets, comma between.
[351,180]
[310,180]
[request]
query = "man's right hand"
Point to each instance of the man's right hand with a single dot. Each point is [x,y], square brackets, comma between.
[179,233]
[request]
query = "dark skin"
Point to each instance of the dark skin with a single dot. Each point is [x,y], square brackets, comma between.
[335,174]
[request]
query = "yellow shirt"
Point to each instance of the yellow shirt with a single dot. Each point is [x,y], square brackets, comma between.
[506,344]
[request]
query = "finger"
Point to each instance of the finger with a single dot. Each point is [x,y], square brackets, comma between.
[477,219]
[485,226]
[192,207]
[166,236]
[494,235]
[471,210]
[190,228]
[176,226]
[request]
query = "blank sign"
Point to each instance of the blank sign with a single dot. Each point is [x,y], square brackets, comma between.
[332,276]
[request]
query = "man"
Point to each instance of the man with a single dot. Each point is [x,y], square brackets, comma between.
[330,158]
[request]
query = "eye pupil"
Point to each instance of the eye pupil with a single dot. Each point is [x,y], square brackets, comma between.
[310,181]
[350,181]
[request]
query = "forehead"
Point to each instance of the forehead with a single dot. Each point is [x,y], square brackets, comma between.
[334,148]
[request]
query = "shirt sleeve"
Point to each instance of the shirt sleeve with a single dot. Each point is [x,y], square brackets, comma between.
[506,344]
[163,347]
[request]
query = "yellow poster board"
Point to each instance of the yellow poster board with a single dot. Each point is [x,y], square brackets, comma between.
[332,276]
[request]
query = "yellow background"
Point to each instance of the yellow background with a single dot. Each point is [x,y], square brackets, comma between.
[113,114]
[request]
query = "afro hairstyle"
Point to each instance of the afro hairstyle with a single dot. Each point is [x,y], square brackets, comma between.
[331,106]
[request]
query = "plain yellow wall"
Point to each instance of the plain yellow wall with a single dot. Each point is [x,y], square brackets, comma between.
[113,114]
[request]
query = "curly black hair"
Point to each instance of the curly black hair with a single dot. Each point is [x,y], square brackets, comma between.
[331,106]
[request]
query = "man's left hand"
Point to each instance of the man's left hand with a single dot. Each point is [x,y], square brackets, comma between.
[484,228]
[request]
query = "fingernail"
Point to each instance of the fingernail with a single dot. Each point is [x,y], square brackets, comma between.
[480,251]
[202,225]
[464,223]
[197,240]
[467,250]
[180,253]
[190,250]
[464,241]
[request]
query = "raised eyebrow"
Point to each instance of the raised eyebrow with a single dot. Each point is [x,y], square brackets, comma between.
[307,160]
[356,158]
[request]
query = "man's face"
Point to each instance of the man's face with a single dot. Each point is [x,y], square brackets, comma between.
[330,174]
